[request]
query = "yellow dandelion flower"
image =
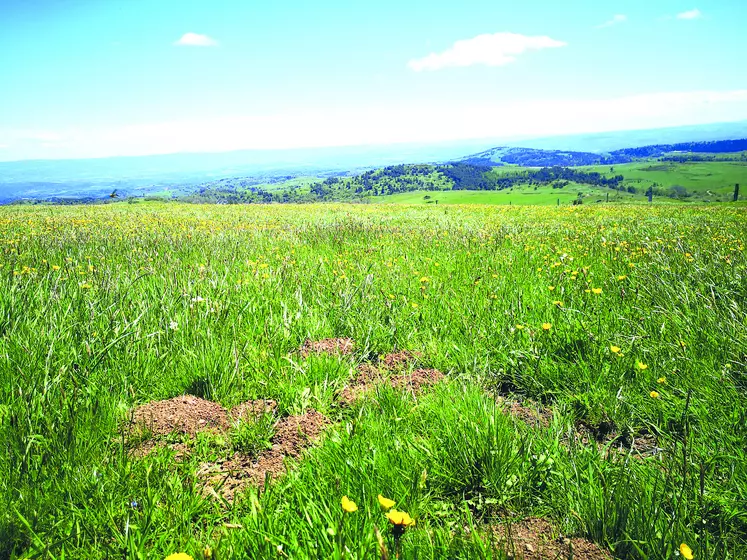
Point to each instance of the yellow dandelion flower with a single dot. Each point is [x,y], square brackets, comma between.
[641,366]
[400,518]
[385,503]
[597,291]
[519,327]
[615,349]
[686,552]
[348,505]
[661,380]
[622,277]
[654,395]
[546,326]
[558,303]
[551,288]
[179,556]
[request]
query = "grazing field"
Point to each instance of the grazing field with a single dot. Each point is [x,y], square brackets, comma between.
[524,195]
[712,180]
[246,381]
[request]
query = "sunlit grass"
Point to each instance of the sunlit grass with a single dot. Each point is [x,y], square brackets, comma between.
[106,307]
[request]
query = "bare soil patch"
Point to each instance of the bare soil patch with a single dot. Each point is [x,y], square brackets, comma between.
[330,346]
[398,360]
[292,435]
[250,410]
[182,415]
[536,539]
[369,376]
[534,415]
[416,380]
[607,436]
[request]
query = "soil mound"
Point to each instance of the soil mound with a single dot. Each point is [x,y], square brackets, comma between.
[535,539]
[292,435]
[536,416]
[398,360]
[183,415]
[416,380]
[331,346]
[369,376]
[250,410]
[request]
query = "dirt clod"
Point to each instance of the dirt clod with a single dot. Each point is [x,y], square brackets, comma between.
[536,416]
[292,435]
[251,410]
[369,375]
[398,360]
[535,539]
[416,380]
[183,415]
[331,346]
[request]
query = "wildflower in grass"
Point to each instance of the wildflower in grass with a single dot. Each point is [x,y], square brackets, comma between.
[207,552]
[546,326]
[173,325]
[551,288]
[597,291]
[641,366]
[661,380]
[686,552]
[615,349]
[385,503]
[179,556]
[519,327]
[55,267]
[348,505]
[558,303]
[425,279]
[622,277]
[654,395]
[400,519]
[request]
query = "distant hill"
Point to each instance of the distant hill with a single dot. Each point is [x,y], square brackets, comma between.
[531,157]
[178,175]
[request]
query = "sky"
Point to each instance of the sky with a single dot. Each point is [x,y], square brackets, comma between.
[98,78]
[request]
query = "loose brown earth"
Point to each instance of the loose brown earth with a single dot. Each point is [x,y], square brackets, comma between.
[292,435]
[607,437]
[398,360]
[330,346]
[187,415]
[250,410]
[535,539]
[182,415]
[537,416]
[369,376]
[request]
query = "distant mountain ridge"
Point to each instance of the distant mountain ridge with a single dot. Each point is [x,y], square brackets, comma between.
[177,175]
[533,157]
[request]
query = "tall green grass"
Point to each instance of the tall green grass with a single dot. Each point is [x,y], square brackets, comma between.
[103,308]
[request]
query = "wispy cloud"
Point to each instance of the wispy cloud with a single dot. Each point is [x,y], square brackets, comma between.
[195,40]
[617,18]
[497,49]
[695,13]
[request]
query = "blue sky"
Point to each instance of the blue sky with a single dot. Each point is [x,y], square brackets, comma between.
[92,78]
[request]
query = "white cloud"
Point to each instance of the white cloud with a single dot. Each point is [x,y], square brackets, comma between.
[695,13]
[617,18]
[497,49]
[195,40]
[377,125]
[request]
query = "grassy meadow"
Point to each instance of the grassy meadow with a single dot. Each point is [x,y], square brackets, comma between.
[622,327]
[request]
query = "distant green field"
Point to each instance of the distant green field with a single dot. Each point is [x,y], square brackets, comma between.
[522,196]
[711,178]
